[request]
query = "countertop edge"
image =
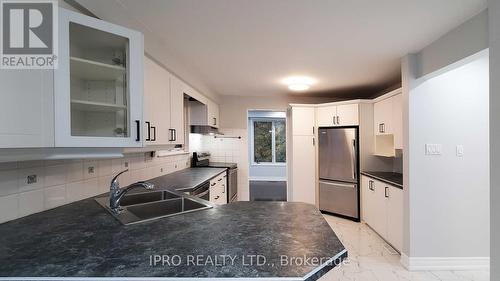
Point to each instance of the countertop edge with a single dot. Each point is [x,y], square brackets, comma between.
[400,186]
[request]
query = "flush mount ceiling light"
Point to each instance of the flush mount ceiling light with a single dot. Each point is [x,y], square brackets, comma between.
[299,83]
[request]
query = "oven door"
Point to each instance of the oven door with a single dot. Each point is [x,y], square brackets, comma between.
[202,192]
[232,181]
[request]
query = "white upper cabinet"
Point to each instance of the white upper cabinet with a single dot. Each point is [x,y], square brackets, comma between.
[382,117]
[27,108]
[388,125]
[156,103]
[213,114]
[303,121]
[176,129]
[326,116]
[397,120]
[348,115]
[98,86]
[338,115]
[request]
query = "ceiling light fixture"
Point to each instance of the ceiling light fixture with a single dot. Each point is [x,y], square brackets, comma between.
[299,83]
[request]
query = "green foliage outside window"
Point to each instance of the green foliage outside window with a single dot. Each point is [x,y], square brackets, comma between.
[264,132]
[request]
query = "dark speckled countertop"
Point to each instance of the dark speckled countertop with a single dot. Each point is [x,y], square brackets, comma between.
[395,179]
[82,240]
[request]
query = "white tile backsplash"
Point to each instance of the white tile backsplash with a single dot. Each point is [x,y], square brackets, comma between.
[8,182]
[61,182]
[55,196]
[9,207]
[74,171]
[30,178]
[31,202]
[55,175]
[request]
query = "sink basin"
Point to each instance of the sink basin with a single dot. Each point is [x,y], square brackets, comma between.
[147,206]
[146,197]
[164,208]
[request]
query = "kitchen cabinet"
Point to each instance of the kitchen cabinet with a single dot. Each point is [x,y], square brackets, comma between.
[177,120]
[303,121]
[303,154]
[156,103]
[27,108]
[98,85]
[382,206]
[395,216]
[338,115]
[163,106]
[303,172]
[213,114]
[218,189]
[397,120]
[388,125]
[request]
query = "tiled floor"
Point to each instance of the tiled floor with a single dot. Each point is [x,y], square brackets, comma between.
[370,259]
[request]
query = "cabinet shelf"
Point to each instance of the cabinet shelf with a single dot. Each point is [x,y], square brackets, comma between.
[93,70]
[96,106]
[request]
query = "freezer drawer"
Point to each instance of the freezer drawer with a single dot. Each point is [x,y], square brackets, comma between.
[339,198]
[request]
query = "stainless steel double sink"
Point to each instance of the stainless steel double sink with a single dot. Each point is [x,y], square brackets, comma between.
[147,206]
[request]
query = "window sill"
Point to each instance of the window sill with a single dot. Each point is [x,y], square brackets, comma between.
[269,164]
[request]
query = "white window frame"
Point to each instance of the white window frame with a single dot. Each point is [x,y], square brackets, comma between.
[273,143]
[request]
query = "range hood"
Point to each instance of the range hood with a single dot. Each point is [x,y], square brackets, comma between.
[198,119]
[204,130]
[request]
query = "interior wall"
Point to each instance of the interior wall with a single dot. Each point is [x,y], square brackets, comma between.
[494,33]
[450,194]
[463,41]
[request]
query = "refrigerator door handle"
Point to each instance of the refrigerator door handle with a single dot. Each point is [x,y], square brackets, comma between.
[353,160]
[353,185]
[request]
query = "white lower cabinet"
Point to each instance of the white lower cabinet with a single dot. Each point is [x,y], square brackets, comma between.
[303,170]
[382,206]
[218,189]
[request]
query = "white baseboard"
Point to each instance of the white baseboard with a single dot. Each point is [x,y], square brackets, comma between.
[445,263]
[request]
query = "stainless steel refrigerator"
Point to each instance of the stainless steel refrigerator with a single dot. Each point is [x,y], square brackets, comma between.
[339,171]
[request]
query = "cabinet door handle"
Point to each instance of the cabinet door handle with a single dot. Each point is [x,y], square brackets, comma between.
[338,120]
[149,131]
[313,130]
[333,120]
[217,197]
[138,130]
[154,133]
[386,193]
[213,184]
[383,128]
[215,121]
[171,135]
[314,142]
[175,134]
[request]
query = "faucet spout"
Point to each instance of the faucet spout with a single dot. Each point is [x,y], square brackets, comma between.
[116,194]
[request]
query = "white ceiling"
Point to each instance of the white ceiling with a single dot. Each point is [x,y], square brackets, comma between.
[245,47]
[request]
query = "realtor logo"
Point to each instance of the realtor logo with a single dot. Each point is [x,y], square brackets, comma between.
[29,34]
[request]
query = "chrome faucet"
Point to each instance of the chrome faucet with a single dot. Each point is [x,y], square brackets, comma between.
[116,194]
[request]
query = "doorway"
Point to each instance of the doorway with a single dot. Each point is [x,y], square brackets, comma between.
[267,155]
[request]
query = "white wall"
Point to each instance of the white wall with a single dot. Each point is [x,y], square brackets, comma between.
[463,41]
[494,32]
[449,195]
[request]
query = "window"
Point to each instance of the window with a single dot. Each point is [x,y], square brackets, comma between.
[268,141]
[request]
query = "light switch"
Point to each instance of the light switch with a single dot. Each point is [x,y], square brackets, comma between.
[433,149]
[460,150]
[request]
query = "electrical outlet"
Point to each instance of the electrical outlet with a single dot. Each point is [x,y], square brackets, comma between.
[31,179]
[460,150]
[90,170]
[433,149]
[125,164]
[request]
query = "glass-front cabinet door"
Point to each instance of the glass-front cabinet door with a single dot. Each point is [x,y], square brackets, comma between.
[99,84]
